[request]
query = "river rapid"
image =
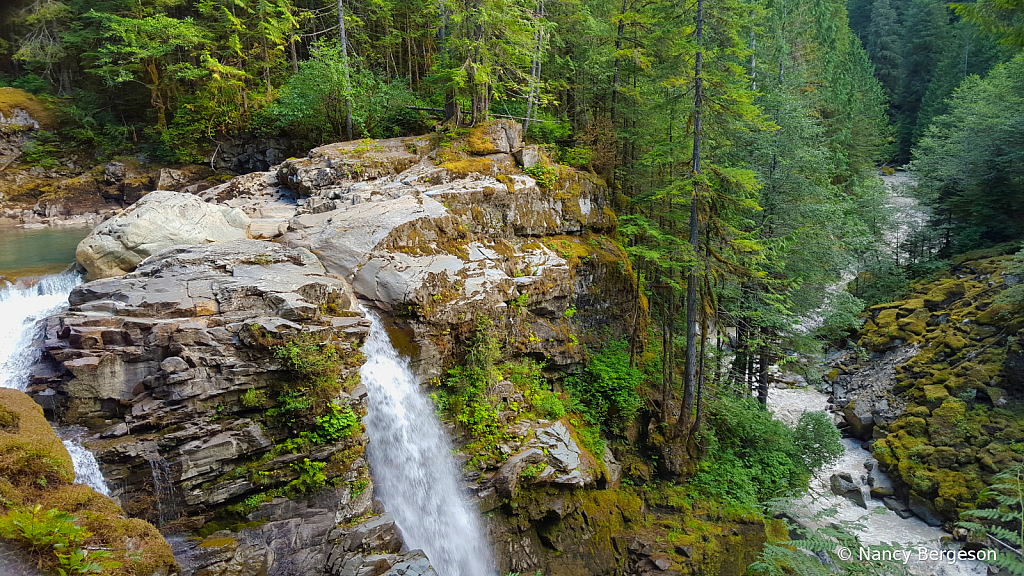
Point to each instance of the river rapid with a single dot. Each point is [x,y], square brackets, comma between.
[880,525]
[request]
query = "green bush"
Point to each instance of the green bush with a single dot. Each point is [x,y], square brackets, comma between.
[753,458]
[608,389]
[254,398]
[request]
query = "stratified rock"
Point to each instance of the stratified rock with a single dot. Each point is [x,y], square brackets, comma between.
[158,221]
[168,351]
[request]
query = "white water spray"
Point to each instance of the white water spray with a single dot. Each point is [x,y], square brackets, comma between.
[411,461]
[21,310]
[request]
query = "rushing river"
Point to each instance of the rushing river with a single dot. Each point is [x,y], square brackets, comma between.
[881,525]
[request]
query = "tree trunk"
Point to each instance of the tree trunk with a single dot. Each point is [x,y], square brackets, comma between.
[344,59]
[692,291]
[763,361]
[618,46]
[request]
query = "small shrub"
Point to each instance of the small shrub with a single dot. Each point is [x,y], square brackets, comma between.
[578,157]
[53,535]
[608,388]
[552,407]
[254,398]
[546,176]
[311,476]
[338,423]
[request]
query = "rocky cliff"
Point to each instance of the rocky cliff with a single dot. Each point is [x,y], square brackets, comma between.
[943,385]
[220,379]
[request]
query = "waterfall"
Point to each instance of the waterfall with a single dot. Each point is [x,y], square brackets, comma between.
[21,310]
[412,464]
[87,469]
[167,496]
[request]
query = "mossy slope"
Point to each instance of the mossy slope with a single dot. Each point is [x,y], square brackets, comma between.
[964,422]
[36,469]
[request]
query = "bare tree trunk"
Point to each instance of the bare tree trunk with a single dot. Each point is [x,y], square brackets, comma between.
[344,59]
[692,290]
[764,360]
[618,47]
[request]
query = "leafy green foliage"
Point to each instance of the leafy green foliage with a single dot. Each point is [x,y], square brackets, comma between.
[338,423]
[546,176]
[754,458]
[840,315]
[54,534]
[608,389]
[311,476]
[880,282]
[832,550]
[313,101]
[254,398]
[1004,519]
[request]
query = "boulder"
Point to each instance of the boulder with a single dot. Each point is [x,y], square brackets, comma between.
[505,136]
[860,418]
[158,221]
[842,485]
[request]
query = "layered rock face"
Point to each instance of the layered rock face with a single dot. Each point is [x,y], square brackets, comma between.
[183,367]
[174,365]
[442,230]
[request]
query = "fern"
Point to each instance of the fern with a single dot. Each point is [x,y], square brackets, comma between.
[1005,521]
[832,550]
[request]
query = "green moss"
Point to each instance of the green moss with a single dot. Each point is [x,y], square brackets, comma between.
[12,99]
[36,470]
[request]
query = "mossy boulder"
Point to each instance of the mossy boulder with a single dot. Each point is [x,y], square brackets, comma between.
[36,470]
[944,294]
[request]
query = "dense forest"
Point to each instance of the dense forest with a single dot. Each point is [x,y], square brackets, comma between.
[742,141]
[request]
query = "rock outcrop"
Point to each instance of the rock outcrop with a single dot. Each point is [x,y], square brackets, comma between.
[36,470]
[183,368]
[159,220]
[442,231]
[952,427]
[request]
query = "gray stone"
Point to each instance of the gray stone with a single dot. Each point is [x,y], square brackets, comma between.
[158,221]
[173,364]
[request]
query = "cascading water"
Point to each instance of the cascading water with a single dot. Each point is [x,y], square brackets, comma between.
[880,524]
[22,309]
[410,457]
[87,469]
[167,497]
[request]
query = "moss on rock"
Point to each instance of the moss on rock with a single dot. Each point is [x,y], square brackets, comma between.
[36,469]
